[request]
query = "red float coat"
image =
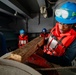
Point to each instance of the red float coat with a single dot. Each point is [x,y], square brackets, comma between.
[22,40]
[58,43]
[45,35]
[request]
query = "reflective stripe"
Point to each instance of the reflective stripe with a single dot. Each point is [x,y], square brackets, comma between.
[53,44]
[50,38]
[22,41]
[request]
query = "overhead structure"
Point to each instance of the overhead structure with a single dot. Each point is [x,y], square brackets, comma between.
[22,8]
[27,8]
[10,67]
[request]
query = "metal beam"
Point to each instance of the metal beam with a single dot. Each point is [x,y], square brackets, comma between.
[15,8]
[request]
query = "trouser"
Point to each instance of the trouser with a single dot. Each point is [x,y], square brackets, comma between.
[63,61]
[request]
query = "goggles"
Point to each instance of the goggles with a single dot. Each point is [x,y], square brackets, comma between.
[66,14]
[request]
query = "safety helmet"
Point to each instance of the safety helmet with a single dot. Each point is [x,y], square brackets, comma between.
[44,30]
[66,13]
[22,31]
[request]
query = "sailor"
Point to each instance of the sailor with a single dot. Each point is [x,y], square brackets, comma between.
[44,33]
[61,46]
[23,38]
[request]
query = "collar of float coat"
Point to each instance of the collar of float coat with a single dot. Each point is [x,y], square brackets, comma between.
[56,31]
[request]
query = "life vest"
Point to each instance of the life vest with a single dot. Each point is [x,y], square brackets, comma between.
[44,35]
[58,43]
[22,40]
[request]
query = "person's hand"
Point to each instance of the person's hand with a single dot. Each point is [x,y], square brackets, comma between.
[49,52]
[52,52]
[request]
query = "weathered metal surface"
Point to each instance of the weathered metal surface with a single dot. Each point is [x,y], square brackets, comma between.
[10,67]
